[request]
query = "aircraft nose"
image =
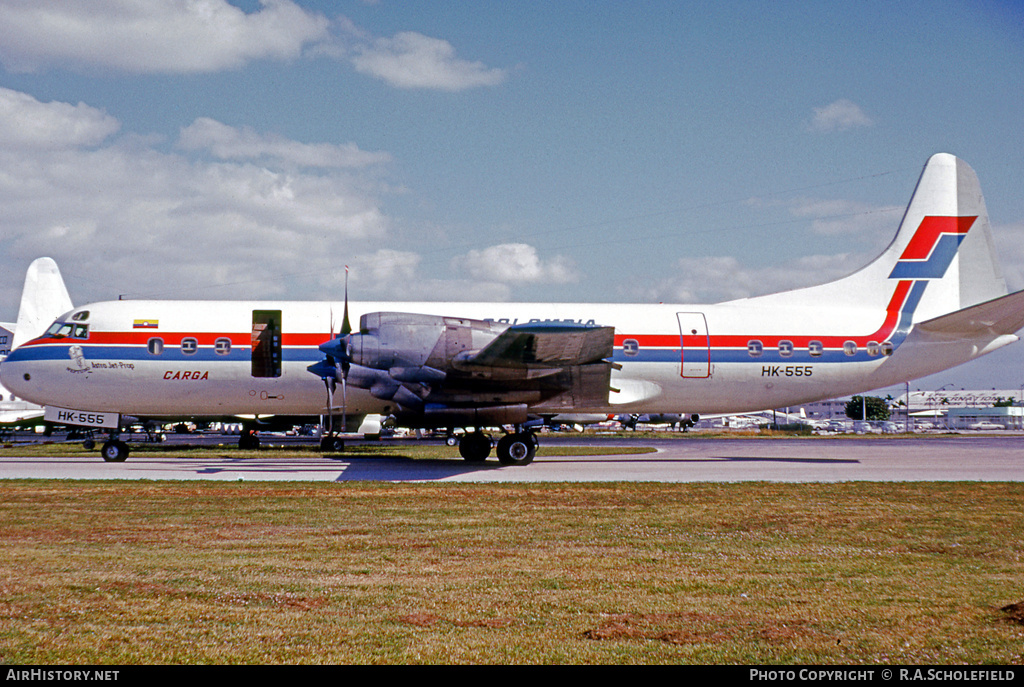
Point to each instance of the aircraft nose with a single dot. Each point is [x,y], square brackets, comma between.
[15,375]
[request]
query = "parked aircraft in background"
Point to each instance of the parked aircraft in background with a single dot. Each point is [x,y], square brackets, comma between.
[13,410]
[933,299]
[43,298]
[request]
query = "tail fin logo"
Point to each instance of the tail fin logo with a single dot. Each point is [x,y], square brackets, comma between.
[932,248]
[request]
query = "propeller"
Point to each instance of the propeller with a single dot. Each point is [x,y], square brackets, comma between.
[346,330]
[337,359]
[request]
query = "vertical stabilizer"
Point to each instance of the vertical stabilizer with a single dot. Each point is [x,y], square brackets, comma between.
[945,240]
[943,255]
[43,299]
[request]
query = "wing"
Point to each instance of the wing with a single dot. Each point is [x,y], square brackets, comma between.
[430,363]
[546,345]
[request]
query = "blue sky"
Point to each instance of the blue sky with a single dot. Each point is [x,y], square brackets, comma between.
[581,151]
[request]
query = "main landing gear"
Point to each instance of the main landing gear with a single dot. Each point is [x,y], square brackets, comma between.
[114,450]
[516,448]
[332,443]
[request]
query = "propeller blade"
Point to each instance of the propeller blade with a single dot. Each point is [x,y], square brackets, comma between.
[330,406]
[346,326]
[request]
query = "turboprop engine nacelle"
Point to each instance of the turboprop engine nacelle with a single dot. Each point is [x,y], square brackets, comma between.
[399,356]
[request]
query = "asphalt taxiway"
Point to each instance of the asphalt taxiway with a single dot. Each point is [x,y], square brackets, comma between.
[818,459]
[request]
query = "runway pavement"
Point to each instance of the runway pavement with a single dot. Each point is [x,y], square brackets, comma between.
[819,459]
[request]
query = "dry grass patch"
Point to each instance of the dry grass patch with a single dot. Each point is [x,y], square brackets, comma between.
[162,572]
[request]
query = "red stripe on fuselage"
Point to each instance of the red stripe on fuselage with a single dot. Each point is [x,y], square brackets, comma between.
[141,338]
[888,326]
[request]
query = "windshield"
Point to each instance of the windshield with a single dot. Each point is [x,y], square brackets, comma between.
[62,330]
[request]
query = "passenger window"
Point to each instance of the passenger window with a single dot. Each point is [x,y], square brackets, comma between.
[156,345]
[873,348]
[815,348]
[850,347]
[189,346]
[222,346]
[630,347]
[785,348]
[887,348]
[755,348]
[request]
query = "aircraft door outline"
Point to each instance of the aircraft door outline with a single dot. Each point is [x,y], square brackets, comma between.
[695,346]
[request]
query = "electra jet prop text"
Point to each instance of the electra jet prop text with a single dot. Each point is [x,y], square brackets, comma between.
[935,298]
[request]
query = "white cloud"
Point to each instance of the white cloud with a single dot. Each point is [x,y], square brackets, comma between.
[169,36]
[395,275]
[229,143]
[839,116]
[515,263]
[412,60]
[131,218]
[1009,240]
[837,217]
[269,218]
[715,279]
[27,123]
[197,36]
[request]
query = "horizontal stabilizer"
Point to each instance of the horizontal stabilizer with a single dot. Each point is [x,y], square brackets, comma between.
[547,344]
[1001,316]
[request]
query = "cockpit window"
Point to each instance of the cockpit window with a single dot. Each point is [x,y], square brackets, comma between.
[80,316]
[63,330]
[59,330]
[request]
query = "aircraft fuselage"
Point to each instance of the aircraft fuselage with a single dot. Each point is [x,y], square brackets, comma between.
[206,358]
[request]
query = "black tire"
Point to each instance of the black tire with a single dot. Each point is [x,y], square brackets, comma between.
[89,444]
[115,452]
[248,442]
[475,447]
[517,449]
[332,444]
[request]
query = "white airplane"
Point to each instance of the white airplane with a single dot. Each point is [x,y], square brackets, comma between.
[933,299]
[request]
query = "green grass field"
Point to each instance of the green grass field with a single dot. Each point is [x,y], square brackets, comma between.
[213,572]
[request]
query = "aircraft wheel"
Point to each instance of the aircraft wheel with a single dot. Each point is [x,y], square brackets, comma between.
[115,451]
[517,449]
[475,447]
[451,440]
[89,444]
[332,444]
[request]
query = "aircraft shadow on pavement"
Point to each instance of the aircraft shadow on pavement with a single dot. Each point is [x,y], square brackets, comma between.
[793,459]
[352,467]
[400,468]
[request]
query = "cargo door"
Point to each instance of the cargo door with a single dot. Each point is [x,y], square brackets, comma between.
[266,343]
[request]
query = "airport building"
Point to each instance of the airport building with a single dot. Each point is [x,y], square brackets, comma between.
[952,408]
[986,418]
